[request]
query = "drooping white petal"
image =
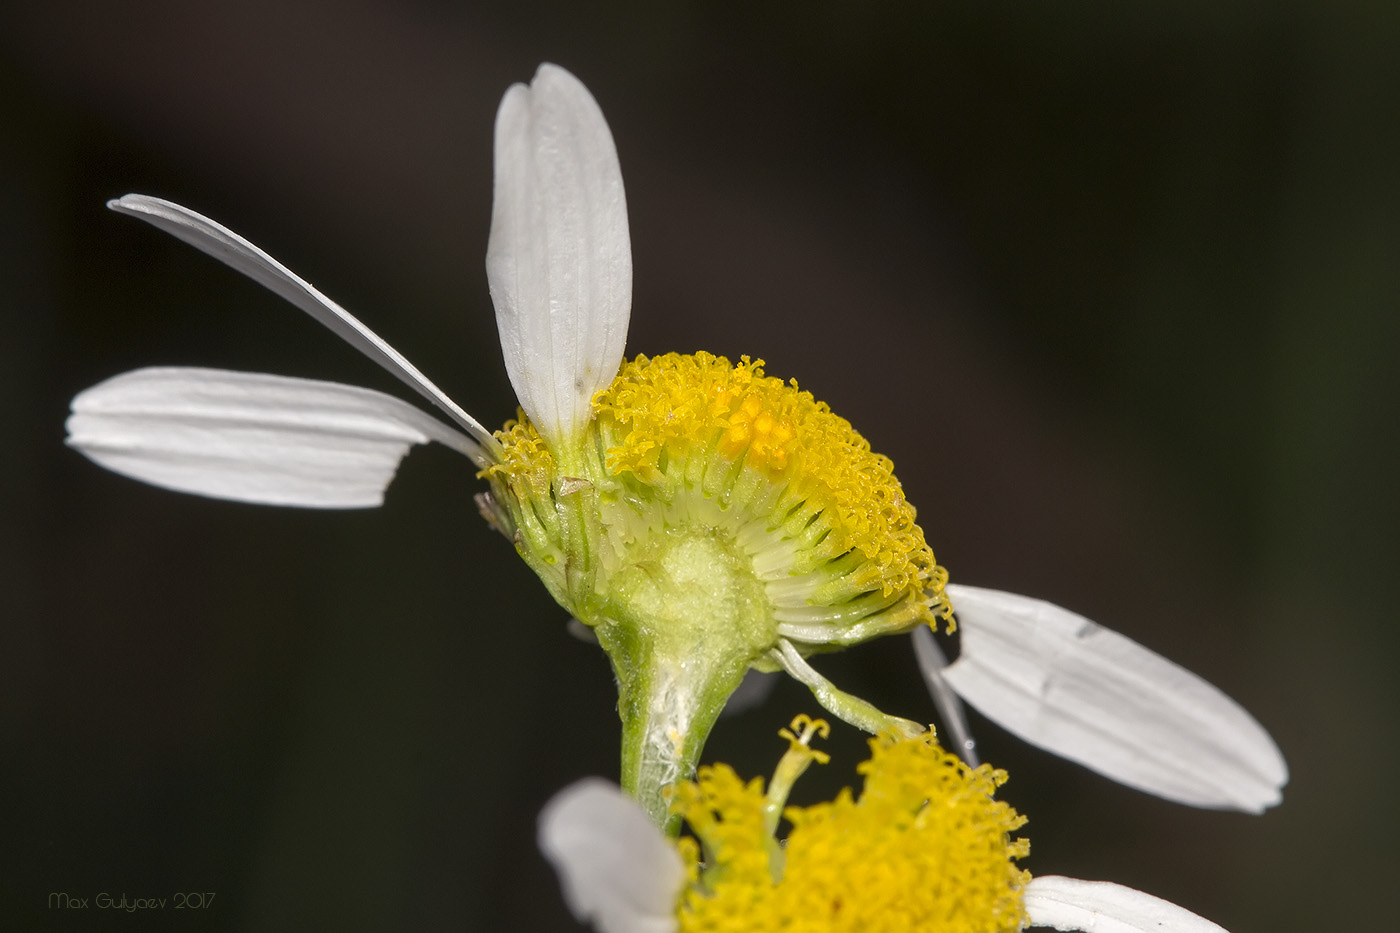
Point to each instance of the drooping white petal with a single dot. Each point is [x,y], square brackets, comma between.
[1093,696]
[616,868]
[559,261]
[225,245]
[932,664]
[1104,907]
[252,437]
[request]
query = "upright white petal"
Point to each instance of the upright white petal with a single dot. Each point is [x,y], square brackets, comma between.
[615,866]
[225,245]
[1104,907]
[251,437]
[559,261]
[1077,689]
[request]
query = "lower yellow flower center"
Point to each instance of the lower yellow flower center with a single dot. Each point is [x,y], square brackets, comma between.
[925,847]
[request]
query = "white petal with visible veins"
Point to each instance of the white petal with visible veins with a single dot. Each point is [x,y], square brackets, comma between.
[252,437]
[1093,696]
[1103,907]
[559,261]
[615,866]
[228,247]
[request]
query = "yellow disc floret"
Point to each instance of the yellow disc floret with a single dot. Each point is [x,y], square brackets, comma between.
[694,444]
[925,847]
[736,429]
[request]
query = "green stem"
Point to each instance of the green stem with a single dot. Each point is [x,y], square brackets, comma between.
[681,623]
[669,698]
[845,706]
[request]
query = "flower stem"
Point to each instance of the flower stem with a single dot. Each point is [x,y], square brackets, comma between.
[669,698]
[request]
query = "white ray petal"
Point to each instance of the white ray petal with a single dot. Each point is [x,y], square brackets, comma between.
[252,437]
[230,248]
[932,663]
[559,261]
[1104,907]
[1093,696]
[615,866]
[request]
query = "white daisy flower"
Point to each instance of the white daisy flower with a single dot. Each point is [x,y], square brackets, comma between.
[700,518]
[924,847]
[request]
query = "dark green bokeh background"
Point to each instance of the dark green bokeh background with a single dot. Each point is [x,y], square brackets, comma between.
[1117,291]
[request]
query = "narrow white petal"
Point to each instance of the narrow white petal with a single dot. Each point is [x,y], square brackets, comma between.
[752,692]
[1093,696]
[615,866]
[932,664]
[225,245]
[559,261]
[582,632]
[251,437]
[1104,907]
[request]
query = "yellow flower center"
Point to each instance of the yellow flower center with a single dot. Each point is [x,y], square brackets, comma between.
[678,422]
[925,847]
[695,442]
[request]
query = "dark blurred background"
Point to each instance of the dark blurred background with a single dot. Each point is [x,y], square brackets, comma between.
[1115,288]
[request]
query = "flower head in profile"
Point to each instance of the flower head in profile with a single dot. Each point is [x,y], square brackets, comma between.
[701,517]
[924,846]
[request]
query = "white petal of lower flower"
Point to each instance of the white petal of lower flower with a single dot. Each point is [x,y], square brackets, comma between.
[1104,907]
[559,261]
[1093,696]
[252,437]
[225,245]
[616,868]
